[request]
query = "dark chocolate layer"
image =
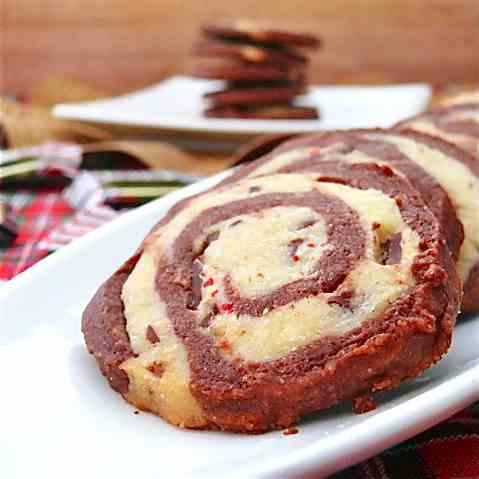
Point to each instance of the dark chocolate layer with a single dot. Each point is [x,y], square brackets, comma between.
[260,34]
[262,112]
[248,53]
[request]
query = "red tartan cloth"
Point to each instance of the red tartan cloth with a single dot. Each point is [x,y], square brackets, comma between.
[35,215]
[449,450]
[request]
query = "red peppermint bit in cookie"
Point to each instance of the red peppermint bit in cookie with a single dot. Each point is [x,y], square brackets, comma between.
[227,307]
[387,170]
[156,368]
[224,344]
[295,257]
[208,282]
[376,225]
[311,245]
[314,151]
[214,293]
[364,403]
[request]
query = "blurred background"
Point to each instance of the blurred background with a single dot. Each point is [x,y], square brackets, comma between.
[120,45]
[60,51]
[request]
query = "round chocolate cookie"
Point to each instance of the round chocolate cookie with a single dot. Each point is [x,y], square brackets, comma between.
[446,176]
[254,95]
[258,33]
[276,112]
[248,53]
[458,124]
[261,300]
[243,72]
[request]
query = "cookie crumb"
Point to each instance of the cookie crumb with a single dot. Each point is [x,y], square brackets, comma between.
[290,431]
[363,403]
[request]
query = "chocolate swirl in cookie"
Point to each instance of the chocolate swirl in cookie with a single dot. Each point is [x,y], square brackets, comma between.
[261,300]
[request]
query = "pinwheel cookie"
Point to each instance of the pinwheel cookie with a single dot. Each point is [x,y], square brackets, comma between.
[458,123]
[272,296]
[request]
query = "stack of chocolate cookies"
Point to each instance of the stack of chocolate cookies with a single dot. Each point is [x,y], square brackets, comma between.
[264,69]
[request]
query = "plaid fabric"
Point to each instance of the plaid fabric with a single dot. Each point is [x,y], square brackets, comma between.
[35,215]
[53,157]
[80,223]
[448,451]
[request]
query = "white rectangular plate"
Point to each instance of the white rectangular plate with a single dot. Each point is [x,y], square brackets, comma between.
[177,104]
[59,418]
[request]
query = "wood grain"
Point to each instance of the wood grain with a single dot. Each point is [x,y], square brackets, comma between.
[120,45]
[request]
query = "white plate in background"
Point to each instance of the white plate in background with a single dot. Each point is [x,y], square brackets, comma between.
[59,418]
[177,104]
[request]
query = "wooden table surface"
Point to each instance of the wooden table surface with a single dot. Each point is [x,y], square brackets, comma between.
[120,45]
